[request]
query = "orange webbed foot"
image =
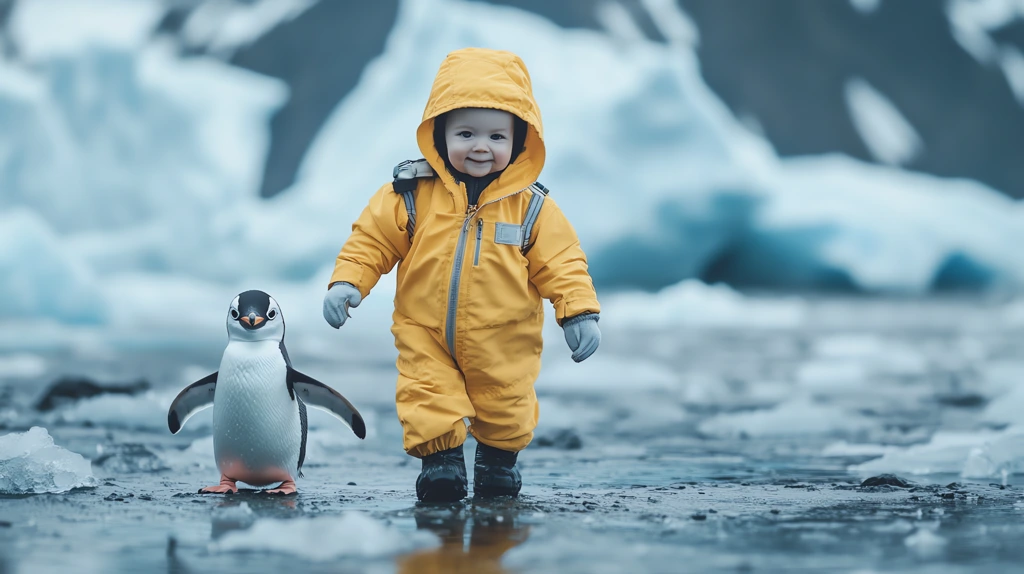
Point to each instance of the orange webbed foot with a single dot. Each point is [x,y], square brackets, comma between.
[226,486]
[286,487]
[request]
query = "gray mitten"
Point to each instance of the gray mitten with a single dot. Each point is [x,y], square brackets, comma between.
[582,335]
[339,298]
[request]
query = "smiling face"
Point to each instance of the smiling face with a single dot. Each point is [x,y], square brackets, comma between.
[255,316]
[479,140]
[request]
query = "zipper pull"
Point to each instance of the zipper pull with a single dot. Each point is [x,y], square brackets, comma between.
[479,229]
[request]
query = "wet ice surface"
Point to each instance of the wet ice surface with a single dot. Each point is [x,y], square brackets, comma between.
[724,447]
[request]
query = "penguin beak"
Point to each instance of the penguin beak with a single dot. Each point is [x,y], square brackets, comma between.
[252,320]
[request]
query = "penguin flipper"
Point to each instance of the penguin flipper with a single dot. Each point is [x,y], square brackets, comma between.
[318,395]
[192,399]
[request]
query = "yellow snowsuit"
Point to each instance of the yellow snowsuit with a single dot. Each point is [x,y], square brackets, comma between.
[468,310]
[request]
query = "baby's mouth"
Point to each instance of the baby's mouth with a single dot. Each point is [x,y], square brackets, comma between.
[478,160]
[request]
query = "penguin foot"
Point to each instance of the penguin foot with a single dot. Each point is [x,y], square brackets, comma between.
[287,487]
[226,486]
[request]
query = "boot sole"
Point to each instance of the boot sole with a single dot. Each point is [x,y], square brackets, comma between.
[494,492]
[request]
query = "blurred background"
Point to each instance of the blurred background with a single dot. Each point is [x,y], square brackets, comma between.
[802,217]
[158,156]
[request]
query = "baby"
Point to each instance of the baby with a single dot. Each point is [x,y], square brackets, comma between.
[478,244]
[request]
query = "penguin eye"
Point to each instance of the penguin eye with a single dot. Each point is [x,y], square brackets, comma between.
[272,314]
[234,313]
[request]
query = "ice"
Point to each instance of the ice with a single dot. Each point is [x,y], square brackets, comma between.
[925,542]
[997,457]
[971,22]
[971,454]
[136,185]
[352,534]
[45,28]
[21,366]
[1012,61]
[865,6]
[797,416]
[693,304]
[146,411]
[601,374]
[886,133]
[223,27]
[30,463]
[39,278]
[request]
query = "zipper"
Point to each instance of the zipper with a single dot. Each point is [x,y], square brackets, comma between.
[479,237]
[456,279]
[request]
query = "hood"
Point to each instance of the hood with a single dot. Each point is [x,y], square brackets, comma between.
[482,78]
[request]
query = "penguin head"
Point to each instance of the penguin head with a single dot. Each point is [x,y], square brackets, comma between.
[255,316]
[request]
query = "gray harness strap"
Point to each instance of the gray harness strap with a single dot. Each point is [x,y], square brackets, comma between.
[540,193]
[410,208]
[407,172]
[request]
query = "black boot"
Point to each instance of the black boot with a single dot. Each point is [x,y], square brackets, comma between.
[495,472]
[443,478]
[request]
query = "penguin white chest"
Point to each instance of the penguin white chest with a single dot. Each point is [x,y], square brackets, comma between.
[257,432]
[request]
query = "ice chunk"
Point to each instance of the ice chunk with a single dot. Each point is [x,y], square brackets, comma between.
[353,534]
[997,457]
[31,463]
[977,454]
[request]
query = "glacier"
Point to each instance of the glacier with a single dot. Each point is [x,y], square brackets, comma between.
[130,216]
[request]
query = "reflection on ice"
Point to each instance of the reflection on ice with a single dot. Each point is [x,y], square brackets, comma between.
[352,534]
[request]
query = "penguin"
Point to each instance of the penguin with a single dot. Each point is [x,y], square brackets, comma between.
[259,402]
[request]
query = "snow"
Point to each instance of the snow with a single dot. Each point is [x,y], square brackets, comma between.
[134,185]
[30,463]
[352,534]
[889,136]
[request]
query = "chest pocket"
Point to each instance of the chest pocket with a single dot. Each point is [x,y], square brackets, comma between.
[508,234]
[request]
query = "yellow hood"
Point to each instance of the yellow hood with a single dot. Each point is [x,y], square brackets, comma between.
[482,78]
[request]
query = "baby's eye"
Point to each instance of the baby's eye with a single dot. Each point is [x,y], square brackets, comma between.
[465,134]
[497,137]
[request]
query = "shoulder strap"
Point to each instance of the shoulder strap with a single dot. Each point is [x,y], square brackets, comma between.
[540,193]
[406,175]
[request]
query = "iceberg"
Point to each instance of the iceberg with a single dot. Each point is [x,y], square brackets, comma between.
[30,463]
[132,174]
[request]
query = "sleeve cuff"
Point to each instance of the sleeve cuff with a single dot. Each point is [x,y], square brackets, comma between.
[586,316]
